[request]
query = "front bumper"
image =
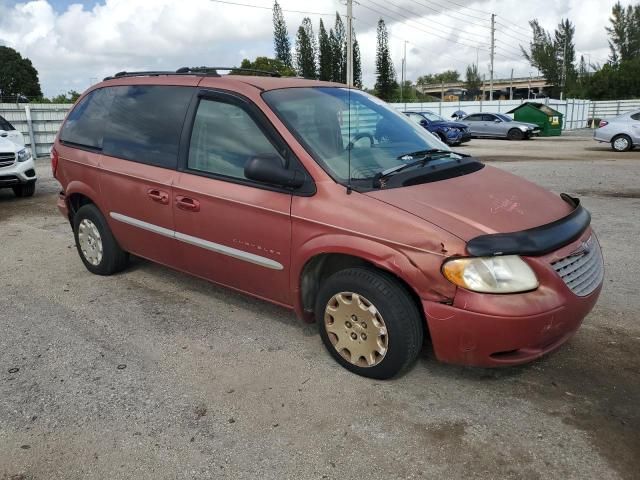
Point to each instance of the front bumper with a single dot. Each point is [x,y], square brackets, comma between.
[498,330]
[18,173]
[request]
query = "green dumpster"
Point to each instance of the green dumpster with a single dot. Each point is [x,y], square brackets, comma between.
[548,119]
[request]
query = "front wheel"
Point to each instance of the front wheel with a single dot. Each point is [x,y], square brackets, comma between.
[368,322]
[25,189]
[621,143]
[515,134]
[96,245]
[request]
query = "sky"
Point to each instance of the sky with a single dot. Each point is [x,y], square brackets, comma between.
[73,44]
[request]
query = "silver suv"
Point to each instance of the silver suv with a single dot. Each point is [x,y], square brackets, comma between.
[17,168]
[623,132]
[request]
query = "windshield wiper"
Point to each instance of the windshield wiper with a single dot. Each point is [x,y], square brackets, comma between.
[426,157]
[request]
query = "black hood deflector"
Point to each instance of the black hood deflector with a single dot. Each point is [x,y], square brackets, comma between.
[535,241]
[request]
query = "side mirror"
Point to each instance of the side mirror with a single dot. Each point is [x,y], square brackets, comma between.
[424,123]
[269,170]
[497,120]
[4,133]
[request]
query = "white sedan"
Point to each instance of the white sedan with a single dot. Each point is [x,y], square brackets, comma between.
[623,132]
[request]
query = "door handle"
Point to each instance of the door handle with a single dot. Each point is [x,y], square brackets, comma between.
[158,196]
[186,203]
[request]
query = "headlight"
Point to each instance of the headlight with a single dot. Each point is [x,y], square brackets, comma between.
[506,274]
[24,155]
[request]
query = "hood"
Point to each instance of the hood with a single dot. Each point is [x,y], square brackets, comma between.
[487,201]
[6,145]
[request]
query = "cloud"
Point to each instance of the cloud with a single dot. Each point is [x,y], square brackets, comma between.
[73,47]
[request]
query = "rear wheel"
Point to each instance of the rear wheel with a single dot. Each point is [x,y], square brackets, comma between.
[96,245]
[621,143]
[368,322]
[515,134]
[24,189]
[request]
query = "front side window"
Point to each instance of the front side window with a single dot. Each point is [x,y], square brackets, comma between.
[85,125]
[416,118]
[433,117]
[224,138]
[350,133]
[488,118]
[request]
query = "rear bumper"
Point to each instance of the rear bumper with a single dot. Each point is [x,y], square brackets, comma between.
[61,203]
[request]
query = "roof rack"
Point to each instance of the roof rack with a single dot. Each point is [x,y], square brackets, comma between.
[203,71]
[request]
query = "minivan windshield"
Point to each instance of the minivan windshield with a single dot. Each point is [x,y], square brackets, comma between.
[352,134]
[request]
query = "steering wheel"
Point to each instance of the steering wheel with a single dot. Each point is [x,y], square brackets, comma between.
[359,136]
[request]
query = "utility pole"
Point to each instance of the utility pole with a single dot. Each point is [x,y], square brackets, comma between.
[493,53]
[350,43]
[511,86]
[403,73]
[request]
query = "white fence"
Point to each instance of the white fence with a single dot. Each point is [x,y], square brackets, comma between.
[613,108]
[576,112]
[40,122]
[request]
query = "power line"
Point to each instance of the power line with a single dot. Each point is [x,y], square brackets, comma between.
[516,35]
[439,24]
[416,28]
[271,8]
[424,49]
[451,14]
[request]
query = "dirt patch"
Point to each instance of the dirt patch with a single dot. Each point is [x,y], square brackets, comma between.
[609,193]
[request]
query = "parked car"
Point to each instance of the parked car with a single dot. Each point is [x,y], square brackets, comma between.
[451,133]
[622,132]
[499,125]
[17,168]
[328,202]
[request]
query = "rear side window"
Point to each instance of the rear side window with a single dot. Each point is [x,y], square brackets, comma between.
[86,122]
[5,125]
[473,118]
[145,123]
[636,116]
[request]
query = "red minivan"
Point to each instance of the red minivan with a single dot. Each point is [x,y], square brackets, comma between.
[327,201]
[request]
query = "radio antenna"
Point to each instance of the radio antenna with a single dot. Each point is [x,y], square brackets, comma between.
[349,82]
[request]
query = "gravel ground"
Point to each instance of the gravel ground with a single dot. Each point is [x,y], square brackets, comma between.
[152,374]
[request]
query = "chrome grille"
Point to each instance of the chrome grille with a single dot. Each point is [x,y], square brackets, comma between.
[7,158]
[583,270]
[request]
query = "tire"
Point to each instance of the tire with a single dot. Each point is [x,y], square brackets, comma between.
[395,319]
[443,138]
[24,189]
[96,245]
[515,134]
[621,143]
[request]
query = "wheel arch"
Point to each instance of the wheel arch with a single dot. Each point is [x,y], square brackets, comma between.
[320,262]
[78,194]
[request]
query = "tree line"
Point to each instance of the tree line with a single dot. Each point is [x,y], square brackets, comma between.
[554,55]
